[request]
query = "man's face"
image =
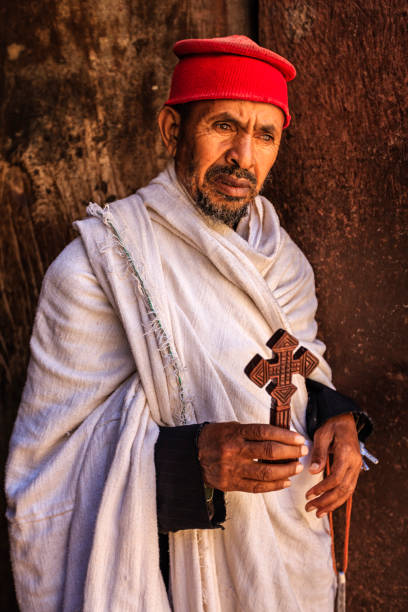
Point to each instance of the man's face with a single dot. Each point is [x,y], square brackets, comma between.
[225,150]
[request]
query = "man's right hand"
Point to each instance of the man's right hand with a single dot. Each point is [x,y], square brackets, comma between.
[227,454]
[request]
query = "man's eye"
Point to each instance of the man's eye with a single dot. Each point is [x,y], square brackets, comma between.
[267,138]
[223,126]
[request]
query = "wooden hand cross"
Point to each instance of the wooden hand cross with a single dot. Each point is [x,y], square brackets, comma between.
[279,371]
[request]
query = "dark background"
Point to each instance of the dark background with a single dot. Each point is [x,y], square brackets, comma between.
[81,83]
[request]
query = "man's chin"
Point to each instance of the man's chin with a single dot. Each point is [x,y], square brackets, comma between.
[227,209]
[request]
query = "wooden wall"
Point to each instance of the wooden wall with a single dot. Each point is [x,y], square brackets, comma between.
[80,86]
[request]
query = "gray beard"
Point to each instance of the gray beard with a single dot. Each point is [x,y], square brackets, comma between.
[228,216]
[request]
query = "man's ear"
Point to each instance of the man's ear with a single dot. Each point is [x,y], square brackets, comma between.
[169,125]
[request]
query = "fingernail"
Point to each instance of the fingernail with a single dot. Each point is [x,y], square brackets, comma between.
[311,496]
[304,451]
[299,439]
[321,514]
[299,468]
[315,466]
[310,508]
[287,483]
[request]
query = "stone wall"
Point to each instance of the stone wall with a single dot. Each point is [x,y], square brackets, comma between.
[80,86]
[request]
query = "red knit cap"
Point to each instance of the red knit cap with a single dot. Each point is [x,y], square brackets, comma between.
[230,68]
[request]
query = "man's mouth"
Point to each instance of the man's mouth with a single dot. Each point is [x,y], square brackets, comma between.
[232,186]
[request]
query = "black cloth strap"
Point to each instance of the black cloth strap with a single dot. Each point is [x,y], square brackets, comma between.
[180,492]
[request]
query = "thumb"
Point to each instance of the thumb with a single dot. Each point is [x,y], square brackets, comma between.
[321,443]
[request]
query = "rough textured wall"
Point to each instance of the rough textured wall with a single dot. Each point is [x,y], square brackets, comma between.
[81,83]
[340,188]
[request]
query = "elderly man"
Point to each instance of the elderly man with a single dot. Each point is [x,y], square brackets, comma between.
[138,416]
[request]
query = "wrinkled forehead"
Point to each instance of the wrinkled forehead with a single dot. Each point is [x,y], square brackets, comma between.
[242,111]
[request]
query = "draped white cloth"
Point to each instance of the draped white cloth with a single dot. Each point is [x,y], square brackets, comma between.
[149,318]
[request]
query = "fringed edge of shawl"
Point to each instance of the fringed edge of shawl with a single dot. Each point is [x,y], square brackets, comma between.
[164,343]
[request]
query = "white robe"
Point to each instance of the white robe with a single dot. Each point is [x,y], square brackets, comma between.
[149,318]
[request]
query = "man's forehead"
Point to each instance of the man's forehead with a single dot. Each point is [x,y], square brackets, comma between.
[240,110]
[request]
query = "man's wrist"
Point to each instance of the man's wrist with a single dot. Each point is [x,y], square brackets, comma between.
[197,436]
[208,490]
[325,403]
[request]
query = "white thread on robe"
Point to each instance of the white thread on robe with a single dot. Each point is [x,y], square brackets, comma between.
[163,339]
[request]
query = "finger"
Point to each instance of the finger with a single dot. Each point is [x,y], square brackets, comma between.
[344,459]
[326,485]
[335,479]
[321,443]
[273,451]
[262,431]
[334,498]
[255,486]
[268,473]
[332,487]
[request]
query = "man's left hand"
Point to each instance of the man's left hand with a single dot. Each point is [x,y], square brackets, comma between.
[337,436]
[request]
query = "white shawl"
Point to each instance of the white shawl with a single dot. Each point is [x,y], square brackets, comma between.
[150,318]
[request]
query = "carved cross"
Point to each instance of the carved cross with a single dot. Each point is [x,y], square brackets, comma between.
[279,371]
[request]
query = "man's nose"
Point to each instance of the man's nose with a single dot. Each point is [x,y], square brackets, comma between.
[241,152]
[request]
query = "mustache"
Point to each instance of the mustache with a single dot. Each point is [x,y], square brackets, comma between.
[239,173]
